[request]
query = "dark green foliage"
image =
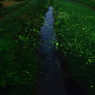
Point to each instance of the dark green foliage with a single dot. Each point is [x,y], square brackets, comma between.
[89,3]
[1,5]
[19,38]
[74,26]
[7,10]
[51,2]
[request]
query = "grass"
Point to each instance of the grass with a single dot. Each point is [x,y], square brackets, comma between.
[74,26]
[19,38]
[89,3]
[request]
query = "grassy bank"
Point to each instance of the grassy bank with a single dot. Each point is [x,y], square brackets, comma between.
[89,3]
[19,38]
[74,26]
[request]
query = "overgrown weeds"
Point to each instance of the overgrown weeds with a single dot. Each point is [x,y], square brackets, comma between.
[19,63]
[74,26]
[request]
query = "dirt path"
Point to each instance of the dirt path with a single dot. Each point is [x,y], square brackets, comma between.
[9,3]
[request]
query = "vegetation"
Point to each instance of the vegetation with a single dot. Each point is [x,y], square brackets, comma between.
[1,5]
[74,26]
[90,3]
[19,38]
[7,10]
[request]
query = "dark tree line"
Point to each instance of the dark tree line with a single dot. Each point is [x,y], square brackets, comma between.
[1,0]
[19,0]
[14,0]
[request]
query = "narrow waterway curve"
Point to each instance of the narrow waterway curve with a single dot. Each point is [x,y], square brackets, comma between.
[47,33]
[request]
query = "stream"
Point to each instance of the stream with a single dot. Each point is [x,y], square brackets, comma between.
[51,80]
[51,83]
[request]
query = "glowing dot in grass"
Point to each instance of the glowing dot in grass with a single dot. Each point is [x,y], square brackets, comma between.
[19,36]
[91,85]
[30,78]
[2,12]
[89,60]
[61,45]
[86,62]
[1,29]
[83,28]
[16,22]
[56,43]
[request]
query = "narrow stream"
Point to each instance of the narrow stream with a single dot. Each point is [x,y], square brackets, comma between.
[51,82]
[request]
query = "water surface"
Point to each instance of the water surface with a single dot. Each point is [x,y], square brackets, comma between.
[51,81]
